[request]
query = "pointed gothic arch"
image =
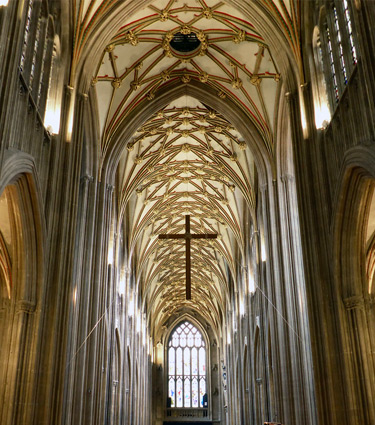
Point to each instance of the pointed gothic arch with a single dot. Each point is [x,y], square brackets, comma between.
[21,310]
[206,342]
[187,366]
[355,295]
[202,93]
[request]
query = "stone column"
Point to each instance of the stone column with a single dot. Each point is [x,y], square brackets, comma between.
[361,358]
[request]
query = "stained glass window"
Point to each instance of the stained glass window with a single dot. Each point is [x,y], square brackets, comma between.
[350,31]
[41,81]
[332,64]
[35,52]
[26,35]
[339,43]
[186,367]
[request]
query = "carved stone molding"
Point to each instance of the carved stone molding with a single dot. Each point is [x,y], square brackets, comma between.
[287,178]
[24,306]
[354,302]
[304,86]
[288,96]
[87,178]
[4,304]
[263,187]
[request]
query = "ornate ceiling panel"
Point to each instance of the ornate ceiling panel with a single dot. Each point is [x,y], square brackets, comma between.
[88,15]
[186,160]
[174,41]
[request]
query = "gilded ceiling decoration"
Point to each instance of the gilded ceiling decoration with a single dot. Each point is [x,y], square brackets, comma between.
[88,15]
[229,55]
[186,159]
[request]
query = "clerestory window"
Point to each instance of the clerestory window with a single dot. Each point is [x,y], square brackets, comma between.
[335,54]
[349,28]
[26,35]
[186,367]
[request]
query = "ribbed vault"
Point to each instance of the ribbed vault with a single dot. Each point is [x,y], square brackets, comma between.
[187,158]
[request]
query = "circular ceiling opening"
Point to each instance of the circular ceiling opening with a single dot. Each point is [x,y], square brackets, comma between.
[185,43]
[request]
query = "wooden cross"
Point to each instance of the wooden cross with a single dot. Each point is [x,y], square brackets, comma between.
[188,236]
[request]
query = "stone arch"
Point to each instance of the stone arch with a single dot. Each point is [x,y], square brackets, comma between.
[188,317]
[201,92]
[21,315]
[355,301]
[370,259]
[100,36]
[167,335]
[353,203]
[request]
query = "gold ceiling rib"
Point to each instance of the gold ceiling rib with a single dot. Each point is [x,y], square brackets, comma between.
[186,159]
[185,178]
[219,61]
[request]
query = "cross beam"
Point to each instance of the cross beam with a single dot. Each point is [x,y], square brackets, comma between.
[188,237]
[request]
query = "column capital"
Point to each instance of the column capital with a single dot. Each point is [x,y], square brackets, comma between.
[287,178]
[354,302]
[87,178]
[25,306]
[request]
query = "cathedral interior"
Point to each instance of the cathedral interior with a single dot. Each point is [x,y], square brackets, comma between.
[187,219]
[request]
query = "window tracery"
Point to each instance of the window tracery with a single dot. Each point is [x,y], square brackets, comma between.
[26,35]
[35,53]
[38,42]
[321,105]
[349,28]
[332,64]
[186,367]
[335,56]
[43,69]
[339,44]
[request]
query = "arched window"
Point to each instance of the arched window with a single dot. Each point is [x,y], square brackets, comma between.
[336,50]
[322,109]
[186,367]
[26,35]
[37,59]
[349,28]
[332,64]
[339,45]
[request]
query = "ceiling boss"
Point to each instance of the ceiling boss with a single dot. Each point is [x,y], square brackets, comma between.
[190,42]
[187,159]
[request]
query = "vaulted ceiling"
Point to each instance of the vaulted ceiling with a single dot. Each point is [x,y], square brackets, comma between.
[187,158]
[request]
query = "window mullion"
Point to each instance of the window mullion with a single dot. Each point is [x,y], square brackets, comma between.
[32,14]
[328,64]
[336,52]
[191,378]
[350,33]
[186,374]
[39,53]
[345,40]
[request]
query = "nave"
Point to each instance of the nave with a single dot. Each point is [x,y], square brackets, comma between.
[187,223]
